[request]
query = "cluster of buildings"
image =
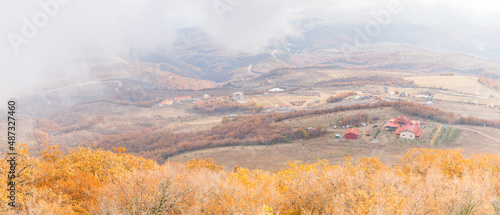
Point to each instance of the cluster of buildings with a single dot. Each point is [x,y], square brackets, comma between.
[429,97]
[404,128]
[236,97]
[239,97]
[362,96]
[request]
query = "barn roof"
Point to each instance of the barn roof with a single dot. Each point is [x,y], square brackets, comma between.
[182,98]
[396,122]
[166,101]
[412,128]
[391,123]
[403,119]
[419,133]
[352,131]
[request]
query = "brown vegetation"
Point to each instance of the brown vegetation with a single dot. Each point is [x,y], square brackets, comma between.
[339,97]
[46,125]
[168,80]
[489,82]
[160,144]
[355,119]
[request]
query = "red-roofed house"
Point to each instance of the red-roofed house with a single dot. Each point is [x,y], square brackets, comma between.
[395,123]
[166,102]
[391,124]
[182,98]
[402,120]
[413,122]
[351,134]
[410,131]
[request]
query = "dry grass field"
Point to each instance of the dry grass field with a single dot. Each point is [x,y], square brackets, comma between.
[307,98]
[462,84]
[259,100]
[480,111]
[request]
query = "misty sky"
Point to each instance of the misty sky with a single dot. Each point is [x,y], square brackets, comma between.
[38,37]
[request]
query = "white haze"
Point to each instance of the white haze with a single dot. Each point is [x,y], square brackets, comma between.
[115,27]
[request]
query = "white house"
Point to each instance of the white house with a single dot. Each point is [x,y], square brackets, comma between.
[276,89]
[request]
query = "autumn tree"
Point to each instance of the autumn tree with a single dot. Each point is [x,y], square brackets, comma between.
[94,181]
[339,97]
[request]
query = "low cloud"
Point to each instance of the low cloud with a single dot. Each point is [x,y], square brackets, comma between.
[41,35]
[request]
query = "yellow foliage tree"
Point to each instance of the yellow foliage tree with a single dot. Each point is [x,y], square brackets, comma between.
[93,181]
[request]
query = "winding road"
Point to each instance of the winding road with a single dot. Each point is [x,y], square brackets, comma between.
[117,89]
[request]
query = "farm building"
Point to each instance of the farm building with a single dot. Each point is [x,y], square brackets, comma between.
[351,134]
[182,98]
[311,128]
[166,102]
[395,123]
[286,107]
[409,131]
[276,89]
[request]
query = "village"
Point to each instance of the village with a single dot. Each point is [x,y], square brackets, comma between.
[282,99]
[401,126]
[383,131]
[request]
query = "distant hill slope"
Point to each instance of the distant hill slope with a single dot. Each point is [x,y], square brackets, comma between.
[149,75]
[196,61]
[400,46]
